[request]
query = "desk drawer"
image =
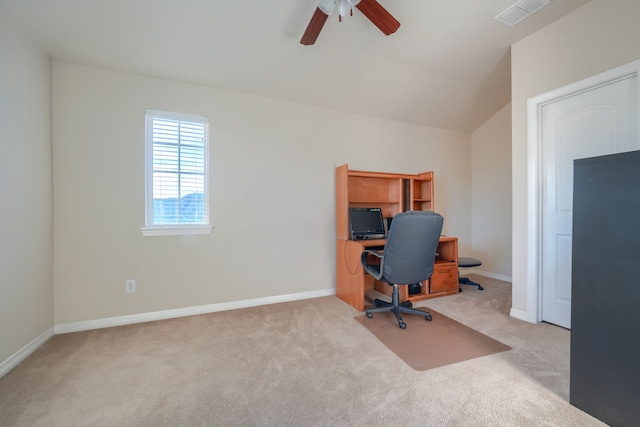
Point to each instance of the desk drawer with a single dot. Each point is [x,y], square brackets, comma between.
[444,278]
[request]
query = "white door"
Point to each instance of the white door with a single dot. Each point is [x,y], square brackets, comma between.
[597,121]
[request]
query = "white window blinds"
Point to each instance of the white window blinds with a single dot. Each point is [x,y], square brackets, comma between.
[177,169]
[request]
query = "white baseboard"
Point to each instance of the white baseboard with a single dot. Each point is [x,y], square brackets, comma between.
[187,311]
[25,352]
[465,271]
[519,314]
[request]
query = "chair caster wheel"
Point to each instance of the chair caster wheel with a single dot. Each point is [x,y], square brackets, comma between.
[369,315]
[480,288]
[402,325]
[378,303]
[427,317]
[409,304]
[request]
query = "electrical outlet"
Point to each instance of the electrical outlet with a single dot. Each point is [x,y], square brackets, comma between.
[130,286]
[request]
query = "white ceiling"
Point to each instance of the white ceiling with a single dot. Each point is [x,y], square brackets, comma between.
[447,66]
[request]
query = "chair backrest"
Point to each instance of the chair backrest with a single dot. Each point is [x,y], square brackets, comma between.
[410,249]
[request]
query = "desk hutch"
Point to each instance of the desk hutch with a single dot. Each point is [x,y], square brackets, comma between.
[393,193]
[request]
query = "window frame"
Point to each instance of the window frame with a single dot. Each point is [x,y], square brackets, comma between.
[150,228]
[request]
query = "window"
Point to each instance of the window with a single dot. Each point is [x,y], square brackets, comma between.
[176,192]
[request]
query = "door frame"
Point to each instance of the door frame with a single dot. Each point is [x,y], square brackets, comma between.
[535,172]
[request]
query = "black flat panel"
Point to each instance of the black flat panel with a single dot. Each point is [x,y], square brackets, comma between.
[605,300]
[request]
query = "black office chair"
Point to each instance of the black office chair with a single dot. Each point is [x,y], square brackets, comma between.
[408,257]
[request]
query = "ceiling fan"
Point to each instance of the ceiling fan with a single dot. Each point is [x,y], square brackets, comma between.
[370,8]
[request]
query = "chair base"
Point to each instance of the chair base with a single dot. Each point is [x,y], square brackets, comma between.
[467,281]
[396,307]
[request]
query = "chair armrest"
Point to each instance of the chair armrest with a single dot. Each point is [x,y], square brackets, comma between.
[374,252]
[375,272]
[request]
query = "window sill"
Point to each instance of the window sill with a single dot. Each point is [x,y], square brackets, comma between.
[175,230]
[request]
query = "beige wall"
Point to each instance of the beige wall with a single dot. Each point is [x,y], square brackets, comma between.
[272,193]
[600,36]
[491,195]
[26,259]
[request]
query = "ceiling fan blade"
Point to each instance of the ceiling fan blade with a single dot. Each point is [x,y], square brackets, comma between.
[324,9]
[379,16]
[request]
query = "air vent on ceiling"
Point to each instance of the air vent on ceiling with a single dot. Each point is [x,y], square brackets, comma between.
[517,12]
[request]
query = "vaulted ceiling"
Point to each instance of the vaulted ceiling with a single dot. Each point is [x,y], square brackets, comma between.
[447,66]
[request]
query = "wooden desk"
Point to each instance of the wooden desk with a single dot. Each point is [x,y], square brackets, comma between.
[352,282]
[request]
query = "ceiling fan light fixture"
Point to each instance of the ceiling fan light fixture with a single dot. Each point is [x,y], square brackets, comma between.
[327,6]
[520,10]
[346,6]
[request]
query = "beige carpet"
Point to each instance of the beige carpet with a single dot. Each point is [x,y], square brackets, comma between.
[426,345]
[301,363]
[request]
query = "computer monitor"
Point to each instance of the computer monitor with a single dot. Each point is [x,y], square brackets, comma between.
[366,223]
